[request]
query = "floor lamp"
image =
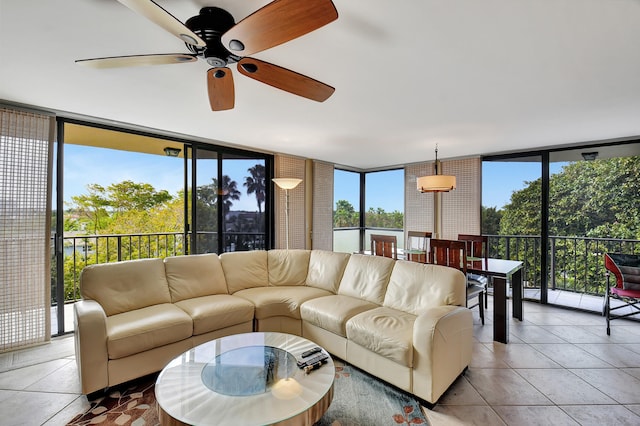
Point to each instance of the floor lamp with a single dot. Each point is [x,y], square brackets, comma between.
[437,184]
[287,184]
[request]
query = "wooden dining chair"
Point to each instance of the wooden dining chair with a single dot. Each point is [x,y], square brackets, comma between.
[417,246]
[478,250]
[384,245]
[453,253]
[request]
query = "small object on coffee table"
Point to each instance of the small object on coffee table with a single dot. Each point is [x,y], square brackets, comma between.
[311,351]
[319,359]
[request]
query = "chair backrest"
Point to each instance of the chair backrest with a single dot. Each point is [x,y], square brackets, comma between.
[384,245]
[417,247]
[449,253]
[626,269]
[477,245]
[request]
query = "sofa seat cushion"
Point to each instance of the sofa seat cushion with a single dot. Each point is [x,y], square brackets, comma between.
[210,313]
[139,330]
[332,312]
[386,332]
[280,301]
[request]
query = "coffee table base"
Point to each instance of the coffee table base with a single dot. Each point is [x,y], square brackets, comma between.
[309,417]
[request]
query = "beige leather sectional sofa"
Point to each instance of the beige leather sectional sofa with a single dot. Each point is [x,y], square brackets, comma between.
[403,322]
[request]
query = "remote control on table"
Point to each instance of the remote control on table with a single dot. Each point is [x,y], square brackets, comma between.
[311,361]
[311,351]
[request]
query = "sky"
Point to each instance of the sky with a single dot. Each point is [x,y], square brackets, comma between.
[86,165]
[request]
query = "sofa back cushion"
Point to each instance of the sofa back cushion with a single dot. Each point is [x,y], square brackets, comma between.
[125,286]
[326,269]
[194,276]
[245,269]
[415,287]
[366,277]
[288,267]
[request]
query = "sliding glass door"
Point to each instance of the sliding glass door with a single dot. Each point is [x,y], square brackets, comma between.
[558,211]
[512,200]
[230,201]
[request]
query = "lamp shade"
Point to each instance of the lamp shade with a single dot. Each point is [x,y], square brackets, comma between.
[436,183]
[287,183]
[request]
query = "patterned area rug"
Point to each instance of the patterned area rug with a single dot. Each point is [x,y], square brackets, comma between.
[359,400]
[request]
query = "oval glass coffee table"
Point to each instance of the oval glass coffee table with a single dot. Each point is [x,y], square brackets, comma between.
[245,379]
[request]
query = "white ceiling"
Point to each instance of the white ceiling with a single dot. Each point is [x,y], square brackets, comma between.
[473,76]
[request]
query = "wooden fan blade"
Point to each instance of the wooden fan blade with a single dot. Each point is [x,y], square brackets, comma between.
[137,60]
[220,86]
[161,17]
[284,79]
[277,23]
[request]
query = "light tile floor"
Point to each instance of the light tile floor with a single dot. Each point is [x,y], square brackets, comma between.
[560,368]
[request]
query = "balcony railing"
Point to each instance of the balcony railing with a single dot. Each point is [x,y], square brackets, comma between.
[576,264]
[81,251]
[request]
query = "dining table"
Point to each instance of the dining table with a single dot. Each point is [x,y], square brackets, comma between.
[502,272]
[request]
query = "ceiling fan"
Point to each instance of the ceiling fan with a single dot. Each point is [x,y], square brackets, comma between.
[214,36]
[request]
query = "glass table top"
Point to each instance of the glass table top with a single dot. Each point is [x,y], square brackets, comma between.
[248,370]
[248,379]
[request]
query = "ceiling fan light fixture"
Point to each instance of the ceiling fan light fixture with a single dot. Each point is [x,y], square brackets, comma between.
[188,39]
[236,45]
[216,62]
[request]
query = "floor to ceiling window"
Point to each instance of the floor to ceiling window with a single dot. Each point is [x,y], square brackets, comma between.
[346,212]
[367,203]
[129,195]
[511,206]
[593,209]
[237,183]
[384,205]
[558,211]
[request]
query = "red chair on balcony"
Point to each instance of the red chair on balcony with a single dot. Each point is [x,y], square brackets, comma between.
[626,269]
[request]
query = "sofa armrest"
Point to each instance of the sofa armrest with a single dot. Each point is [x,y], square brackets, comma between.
[91,345]
[442,341]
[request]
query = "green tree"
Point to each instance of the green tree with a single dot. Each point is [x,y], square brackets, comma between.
[587,198]
[597,199]
[345,215]
[491,220]
[93,206]
[255,184]
[127,195]
[379,218]
[230,192]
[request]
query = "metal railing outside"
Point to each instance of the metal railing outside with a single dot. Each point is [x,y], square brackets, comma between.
[81,251]
[576,264]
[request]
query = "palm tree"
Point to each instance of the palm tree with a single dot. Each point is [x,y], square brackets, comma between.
[229,192]
[256,184]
